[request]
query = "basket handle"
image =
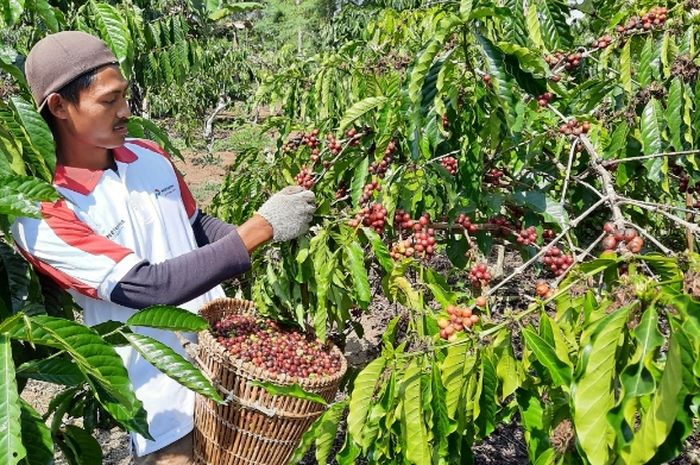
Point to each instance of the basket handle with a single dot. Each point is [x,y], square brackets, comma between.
[192,351]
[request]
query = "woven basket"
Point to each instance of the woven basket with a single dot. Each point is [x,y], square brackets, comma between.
[254,427]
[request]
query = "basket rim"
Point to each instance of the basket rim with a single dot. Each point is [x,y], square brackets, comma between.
[207,340]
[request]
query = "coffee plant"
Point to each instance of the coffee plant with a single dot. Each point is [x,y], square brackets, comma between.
[551,136]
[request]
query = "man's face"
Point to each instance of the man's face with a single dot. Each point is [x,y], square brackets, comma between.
[99,118]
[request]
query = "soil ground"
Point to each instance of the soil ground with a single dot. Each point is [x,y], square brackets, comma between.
[506,446]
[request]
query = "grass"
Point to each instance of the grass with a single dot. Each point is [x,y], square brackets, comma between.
[203,193]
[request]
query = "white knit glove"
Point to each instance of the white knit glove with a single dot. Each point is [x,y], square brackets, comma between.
[289,212]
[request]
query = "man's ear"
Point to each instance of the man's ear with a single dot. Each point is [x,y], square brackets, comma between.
[57,106]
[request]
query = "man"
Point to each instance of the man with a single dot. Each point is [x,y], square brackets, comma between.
[127,232]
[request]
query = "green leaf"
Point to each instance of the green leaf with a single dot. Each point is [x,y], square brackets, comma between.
[38,132]
[97,360]
[232,9]
[81,446]
[152,131]
[11,448]
[361,397]
[645,61]
[328,430]
[359,109]
[168,317]
[457,364]
[637,378]
[555,29]
[172,364]
[381,252]
[533,26]
[592,394]
[20,195]
[358,180]
[674,111]
[36,437]
[14,271]
[356,261]
[534,421]
[421,68]
[528,60]
[499,78]
[11,11]
[113,30]
[488,385]
[626,67]
[439,287]
[465,8]
[415,439]
[293,390]
[651,138]
[546,355]
[538,201]
[46,12]
[666,402]
[52,370]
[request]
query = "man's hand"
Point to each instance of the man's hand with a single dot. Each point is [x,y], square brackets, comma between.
[289,212]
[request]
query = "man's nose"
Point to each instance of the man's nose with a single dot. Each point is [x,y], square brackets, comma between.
[124,111]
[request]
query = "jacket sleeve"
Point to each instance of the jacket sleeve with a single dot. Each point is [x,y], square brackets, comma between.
[181,279]
[62,246]
[209,229]
[65,248]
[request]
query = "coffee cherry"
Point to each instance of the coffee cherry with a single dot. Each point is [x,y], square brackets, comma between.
[543,290]
[493,177]
[487,80]
[373,216]
[445,122]
[603,42]
[544,99]
[527,236]
[466,223]
[481,301]
[424,242]
[549,234]
[333,145]
[279,350]
[402,220]
[503,225]
[654,19]
[458,319]
[305,178]
[569,62]
[609,243]
[557,261]
[450,164]
[380,167]
[342,192]
[635,245]
[369,190]
[480,275]
[574,127]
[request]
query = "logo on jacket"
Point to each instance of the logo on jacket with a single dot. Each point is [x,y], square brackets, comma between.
[115,230]
[164,191]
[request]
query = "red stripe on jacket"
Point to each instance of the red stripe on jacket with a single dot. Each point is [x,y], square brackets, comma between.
[74,232]
[64,280]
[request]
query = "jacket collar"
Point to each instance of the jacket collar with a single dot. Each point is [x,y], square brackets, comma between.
[84,180]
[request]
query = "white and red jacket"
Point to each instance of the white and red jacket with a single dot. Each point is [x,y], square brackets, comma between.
[117,241]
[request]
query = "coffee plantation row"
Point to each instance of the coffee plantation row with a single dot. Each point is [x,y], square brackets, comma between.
[519,179]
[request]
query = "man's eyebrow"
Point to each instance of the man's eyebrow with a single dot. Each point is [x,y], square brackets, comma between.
[114,91]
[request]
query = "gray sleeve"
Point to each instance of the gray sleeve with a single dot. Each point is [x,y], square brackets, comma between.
[208,229]
[181,279]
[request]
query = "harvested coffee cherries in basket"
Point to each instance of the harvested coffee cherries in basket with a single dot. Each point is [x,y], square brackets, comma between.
[281,351]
